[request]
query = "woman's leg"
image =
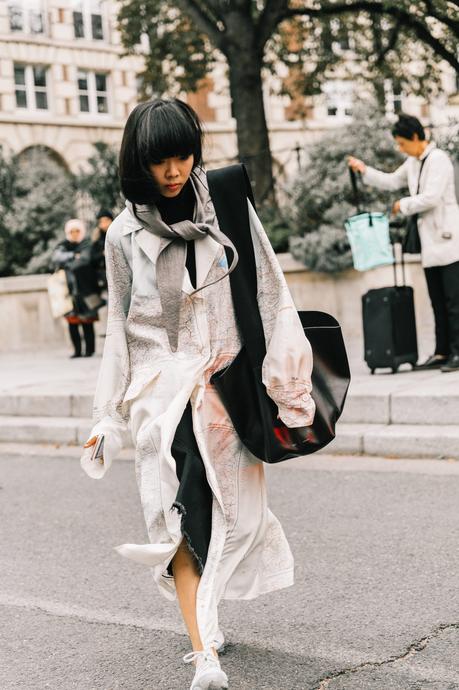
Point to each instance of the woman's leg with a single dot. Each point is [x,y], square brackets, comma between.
[75,338]
[187,580]
[194,504]
[89,338]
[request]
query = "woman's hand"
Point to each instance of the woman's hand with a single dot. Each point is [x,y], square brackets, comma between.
[356,165]
[396,208]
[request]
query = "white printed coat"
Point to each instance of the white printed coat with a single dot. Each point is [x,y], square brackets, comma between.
[144,383]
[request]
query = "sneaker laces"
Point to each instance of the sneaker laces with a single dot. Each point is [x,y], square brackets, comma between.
[205,655]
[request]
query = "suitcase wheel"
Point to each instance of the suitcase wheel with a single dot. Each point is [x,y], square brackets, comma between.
[394,370]
[372,371]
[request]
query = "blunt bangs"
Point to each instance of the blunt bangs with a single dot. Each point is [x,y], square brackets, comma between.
[154,131]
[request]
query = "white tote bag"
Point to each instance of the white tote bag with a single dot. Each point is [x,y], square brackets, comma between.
[59,295]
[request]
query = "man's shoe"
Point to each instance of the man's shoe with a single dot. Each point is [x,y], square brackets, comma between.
[432,362]
[451,365]
[209,675]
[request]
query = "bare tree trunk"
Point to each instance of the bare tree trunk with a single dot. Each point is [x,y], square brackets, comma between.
[248,109]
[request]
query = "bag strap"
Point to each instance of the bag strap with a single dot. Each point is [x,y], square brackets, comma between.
[355,190]
[229,189]
[420,173]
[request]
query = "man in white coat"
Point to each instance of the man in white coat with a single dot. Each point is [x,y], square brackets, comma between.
[428,174]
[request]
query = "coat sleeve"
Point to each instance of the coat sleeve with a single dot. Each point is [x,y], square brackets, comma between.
[389,181]
[287,367]
[61,256]
[114,373]
[83,259]
[437,176]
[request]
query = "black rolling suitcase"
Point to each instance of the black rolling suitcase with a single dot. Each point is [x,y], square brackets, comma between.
[389,325]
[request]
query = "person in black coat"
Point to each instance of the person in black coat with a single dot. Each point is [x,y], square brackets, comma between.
[74,255]
[104,220]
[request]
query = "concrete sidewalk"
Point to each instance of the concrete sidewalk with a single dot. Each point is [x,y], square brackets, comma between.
[47,398]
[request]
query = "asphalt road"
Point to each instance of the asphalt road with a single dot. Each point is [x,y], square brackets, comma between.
[375,605]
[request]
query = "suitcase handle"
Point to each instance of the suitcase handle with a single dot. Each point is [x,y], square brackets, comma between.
[402,263]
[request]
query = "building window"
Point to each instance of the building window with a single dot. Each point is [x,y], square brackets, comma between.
[88,20]
[92,92]
[31,87]
[394,98]
[26,16]
[339,96]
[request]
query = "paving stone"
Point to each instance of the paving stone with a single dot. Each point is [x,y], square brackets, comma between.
[406,440]
[39,429]
[8,404]
[362,408]
[348,440]
[424,408]
[43,405]
[81,405]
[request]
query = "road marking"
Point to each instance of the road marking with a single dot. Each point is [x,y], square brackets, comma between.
[100,616]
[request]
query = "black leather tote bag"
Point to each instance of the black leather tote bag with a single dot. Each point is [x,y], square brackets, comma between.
[240,386]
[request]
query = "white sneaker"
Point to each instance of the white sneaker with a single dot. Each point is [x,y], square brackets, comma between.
[219,642]
[209,675]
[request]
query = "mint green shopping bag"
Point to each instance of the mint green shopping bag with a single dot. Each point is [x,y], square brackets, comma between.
[368,235]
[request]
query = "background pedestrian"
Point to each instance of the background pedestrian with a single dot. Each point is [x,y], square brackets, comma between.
[104,220]
[74,255]
[432,205]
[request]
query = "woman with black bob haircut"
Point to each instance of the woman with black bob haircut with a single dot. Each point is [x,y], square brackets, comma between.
[432,206]
[171,326]
[154,130]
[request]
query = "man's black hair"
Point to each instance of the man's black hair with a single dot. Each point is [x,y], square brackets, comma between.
[156,130]
[105,213]
[407,126]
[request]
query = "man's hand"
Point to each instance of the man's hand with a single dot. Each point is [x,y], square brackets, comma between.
[395,208]
[356,165]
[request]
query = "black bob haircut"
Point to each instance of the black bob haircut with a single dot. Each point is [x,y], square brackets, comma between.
[407,126]
[156,130]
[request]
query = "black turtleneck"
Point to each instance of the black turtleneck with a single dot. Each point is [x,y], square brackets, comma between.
[177,208]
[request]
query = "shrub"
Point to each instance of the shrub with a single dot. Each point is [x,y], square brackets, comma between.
[40,198]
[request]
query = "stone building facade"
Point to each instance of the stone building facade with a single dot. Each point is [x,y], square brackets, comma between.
[65,84]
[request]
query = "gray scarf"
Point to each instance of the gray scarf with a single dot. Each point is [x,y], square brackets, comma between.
[170,264]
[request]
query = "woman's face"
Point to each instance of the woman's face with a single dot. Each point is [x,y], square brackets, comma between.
[171,174]
[74,235]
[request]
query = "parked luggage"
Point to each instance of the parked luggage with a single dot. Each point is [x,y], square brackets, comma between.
[389,325]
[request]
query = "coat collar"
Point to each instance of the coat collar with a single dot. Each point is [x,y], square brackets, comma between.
[430,147]
[206,250]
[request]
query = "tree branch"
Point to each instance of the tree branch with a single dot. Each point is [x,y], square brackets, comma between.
[408,21]
[269,19]
[391,42]
[203,20]
[453,24]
